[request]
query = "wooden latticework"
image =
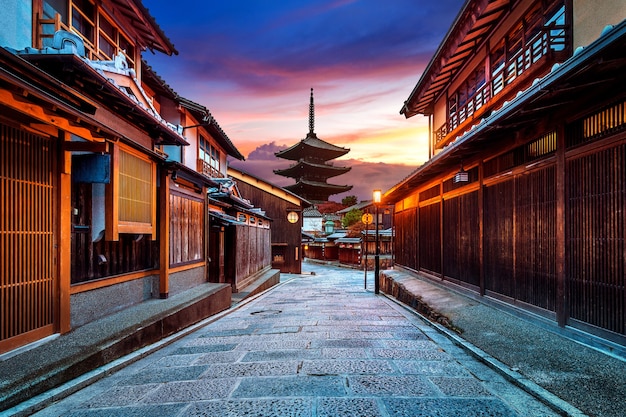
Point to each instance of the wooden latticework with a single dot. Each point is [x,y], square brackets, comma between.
[27,238]
[186,229]
[596,233]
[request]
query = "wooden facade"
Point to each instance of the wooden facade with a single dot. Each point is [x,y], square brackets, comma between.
[240,238]
[539,221]
[277,204]
[102,187]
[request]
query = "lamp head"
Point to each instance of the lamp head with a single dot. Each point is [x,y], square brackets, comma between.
[377,196]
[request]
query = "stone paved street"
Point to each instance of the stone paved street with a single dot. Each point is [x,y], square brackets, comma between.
[316,345]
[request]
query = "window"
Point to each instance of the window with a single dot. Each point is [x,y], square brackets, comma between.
[132,195]
[187,220]
[102,38]
[210,155]
[135,203]
[83,14]
[468,98]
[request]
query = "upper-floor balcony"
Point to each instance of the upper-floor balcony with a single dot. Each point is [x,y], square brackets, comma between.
[515,74]
[206,169]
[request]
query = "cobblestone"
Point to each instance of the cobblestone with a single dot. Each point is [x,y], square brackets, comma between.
[316,345]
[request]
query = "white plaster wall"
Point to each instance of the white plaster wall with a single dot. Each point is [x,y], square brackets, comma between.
[16,24]
[590,17]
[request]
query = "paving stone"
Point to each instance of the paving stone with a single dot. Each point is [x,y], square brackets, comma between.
[447,407]
[425,354]
[185,391]
[249,369]
[298,386]
[274,345]
[187,350]
[342,367]
[344,343]
[219,357]
[251,408]
[138,411]
[431,368]
[359,335]
[349,407]
[460,387]
[381,385]
[410,344]
[275,355]
[278,330]
[120,396]
[154,374]
[343,353]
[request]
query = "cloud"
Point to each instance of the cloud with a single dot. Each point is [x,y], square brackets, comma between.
[265,152]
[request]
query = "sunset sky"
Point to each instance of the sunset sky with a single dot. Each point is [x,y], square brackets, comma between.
[253,63]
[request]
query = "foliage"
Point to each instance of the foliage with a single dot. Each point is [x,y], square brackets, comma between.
[349,200]
[351,217]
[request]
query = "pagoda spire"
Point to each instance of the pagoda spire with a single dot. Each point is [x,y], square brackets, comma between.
[312,169]
[311,114]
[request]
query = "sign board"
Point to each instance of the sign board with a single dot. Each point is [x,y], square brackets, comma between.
[367,218]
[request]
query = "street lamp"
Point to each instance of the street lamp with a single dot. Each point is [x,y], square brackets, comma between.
[376,198]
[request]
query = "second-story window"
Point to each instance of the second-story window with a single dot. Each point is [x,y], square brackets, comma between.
[530,40]
[83,14]
[102,38]
[210,155]
[469,97]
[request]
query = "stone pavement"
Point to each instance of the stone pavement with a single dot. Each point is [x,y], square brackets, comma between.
[316,345]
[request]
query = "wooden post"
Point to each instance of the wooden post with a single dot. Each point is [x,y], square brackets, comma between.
[164,235]
[64,250]
[562,301]
[481,229]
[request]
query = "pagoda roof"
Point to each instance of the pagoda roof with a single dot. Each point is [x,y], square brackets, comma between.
[312,146]
[306,168]
[313,189]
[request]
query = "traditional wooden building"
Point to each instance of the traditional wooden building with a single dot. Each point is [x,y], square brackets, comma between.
[240,245]
[522,198]
[312,169]
[285,211]
[100,211]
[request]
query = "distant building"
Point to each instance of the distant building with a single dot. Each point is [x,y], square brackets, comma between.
[285,210]
[312,169]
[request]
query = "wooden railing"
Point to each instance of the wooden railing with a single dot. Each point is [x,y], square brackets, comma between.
[537,51]
[206,169]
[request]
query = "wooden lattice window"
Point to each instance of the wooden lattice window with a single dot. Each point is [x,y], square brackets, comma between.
[102,38]
[131,195]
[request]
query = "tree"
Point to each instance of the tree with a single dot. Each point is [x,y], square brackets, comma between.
[349,200]
[351,217]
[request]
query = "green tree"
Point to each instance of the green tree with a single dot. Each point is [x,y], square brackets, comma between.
[351,217]
[349,200]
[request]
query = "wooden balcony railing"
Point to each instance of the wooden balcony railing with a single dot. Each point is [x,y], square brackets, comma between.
[543,47]
[206,169]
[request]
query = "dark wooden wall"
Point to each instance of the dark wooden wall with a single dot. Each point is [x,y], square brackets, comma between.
[285,237]
[500,234]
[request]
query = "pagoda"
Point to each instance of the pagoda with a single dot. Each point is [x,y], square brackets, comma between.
[312,168]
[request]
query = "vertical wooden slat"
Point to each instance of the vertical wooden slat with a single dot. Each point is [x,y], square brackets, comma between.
[26,184]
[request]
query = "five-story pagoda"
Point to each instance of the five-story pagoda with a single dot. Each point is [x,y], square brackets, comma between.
[312,168]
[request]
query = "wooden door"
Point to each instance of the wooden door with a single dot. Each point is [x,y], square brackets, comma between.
[27,237]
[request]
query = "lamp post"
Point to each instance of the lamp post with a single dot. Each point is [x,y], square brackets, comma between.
[376,198]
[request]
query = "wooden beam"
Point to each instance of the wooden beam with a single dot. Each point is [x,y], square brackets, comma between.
[562,290]
[164,234]
[40,113]
[64,233]
[111,197]
[99,147]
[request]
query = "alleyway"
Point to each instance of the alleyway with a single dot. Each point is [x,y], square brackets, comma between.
[316,345]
